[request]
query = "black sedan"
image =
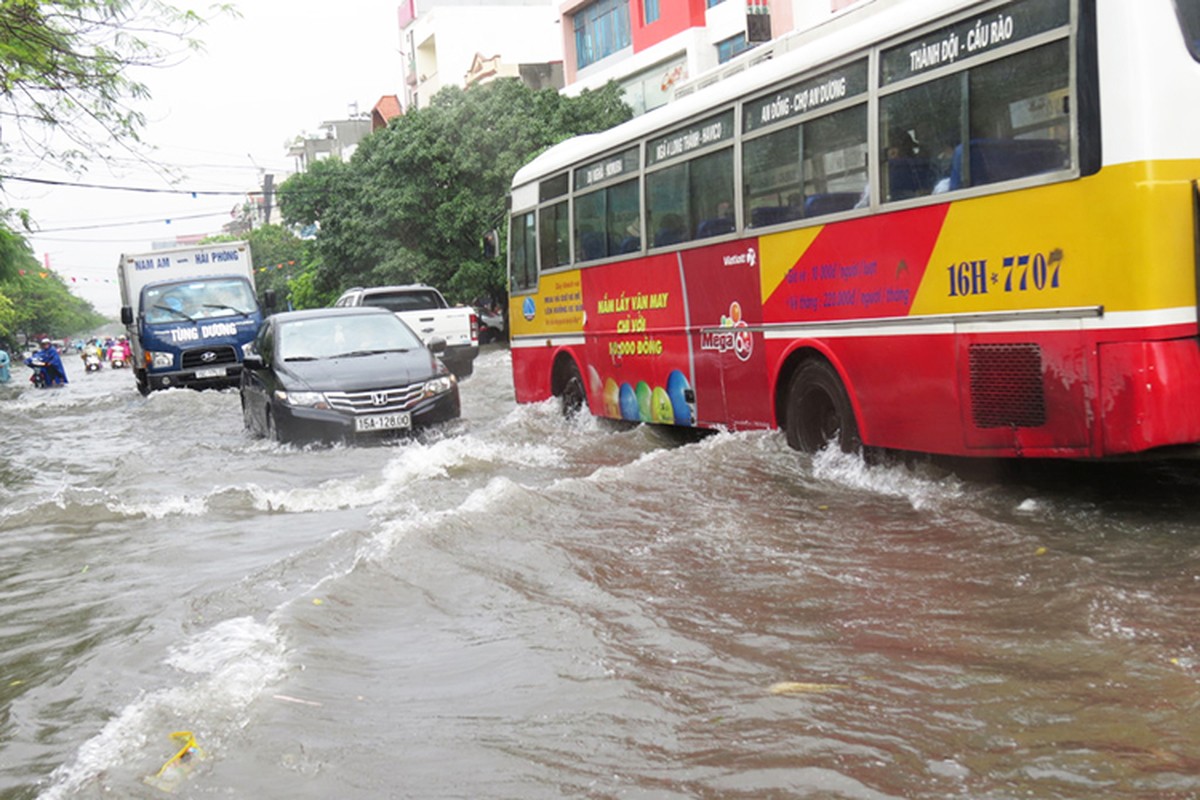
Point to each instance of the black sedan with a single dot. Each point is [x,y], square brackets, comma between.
[343,373]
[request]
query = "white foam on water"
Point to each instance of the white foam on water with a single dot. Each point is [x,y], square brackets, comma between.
[231,664]
[851,471]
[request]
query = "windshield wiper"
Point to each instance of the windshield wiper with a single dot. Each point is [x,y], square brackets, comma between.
[231,308]
[356,353]
[301,358]
[174,311]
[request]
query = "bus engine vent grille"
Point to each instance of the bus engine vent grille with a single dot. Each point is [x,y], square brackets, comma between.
[1006,386]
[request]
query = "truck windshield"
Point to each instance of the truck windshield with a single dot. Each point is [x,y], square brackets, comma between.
[198,299]
[1189,18]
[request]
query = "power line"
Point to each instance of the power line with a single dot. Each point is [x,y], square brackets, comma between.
[143,189]
[38,233]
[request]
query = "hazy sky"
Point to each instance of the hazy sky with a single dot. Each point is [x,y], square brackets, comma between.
[221,118]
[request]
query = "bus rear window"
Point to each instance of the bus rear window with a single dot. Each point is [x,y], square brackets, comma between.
[1189,19]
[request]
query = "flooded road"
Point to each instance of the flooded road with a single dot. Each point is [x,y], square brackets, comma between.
[517,606]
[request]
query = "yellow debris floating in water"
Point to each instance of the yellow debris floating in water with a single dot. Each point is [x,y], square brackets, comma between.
[1041,551]
[178,766]
[794,687]
[318,601]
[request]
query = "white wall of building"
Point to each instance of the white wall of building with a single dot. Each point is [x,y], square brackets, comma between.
[446,38]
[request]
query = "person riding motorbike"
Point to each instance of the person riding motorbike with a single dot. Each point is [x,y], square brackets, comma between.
[48,362]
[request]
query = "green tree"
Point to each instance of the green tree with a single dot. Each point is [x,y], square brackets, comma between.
[65,88]
[278,255]
[42,304]
[414,200]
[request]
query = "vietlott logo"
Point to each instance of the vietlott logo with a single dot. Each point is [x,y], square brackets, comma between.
[733,335]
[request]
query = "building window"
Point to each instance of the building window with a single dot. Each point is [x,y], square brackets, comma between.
[731,47]
[650,11]
[601,29]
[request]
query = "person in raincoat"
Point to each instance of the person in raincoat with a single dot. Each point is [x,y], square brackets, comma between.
[5,375]
[50,362]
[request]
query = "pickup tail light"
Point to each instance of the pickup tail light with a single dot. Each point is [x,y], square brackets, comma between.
[474,328]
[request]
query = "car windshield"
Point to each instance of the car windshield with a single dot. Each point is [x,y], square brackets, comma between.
[199,299]
[343,336]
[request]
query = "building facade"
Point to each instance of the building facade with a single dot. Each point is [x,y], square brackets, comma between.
[650,47]
[460,42]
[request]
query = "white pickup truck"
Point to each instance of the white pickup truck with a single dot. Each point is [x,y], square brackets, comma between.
[429,315]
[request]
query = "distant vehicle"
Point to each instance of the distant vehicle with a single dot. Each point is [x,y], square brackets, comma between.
[425,311]
[190,313]
[491,325]
[343,373]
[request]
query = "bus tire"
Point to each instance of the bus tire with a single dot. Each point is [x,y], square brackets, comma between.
[573,396]
[819,411]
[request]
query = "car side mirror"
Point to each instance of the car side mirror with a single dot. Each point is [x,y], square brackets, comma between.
[252,362]
[437,344]
[126,315]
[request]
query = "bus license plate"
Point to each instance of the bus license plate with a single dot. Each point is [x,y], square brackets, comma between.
[212,372]
[382,422]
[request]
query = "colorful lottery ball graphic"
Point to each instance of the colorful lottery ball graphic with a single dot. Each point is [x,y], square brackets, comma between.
[677,387]
[629,403]
[660,406]
[612,399]
[643,399]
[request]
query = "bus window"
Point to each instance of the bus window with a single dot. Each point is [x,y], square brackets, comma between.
[1189,18]
[692,200]
[624,214]
[1015,109]
[602,219]
[1020,124]
[835,161]
[711,193]
[919,129]
[522,245]
[771,178]
[554,235]
[666,206]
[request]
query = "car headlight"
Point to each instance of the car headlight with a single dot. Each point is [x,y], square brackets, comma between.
[305,399]
[160,360]
[439,385]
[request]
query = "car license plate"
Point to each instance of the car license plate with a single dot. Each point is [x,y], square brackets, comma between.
[382,422]
[212,372]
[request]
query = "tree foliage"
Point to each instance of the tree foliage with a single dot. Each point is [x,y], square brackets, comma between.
[277,254]
[35,302]
[65,69]
[414,200]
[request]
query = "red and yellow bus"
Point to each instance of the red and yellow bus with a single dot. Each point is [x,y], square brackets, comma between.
[964,228]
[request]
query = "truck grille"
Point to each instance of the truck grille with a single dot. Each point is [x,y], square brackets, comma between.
[203,357]
[377,401]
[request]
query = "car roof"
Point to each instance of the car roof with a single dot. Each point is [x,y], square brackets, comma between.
[320,313]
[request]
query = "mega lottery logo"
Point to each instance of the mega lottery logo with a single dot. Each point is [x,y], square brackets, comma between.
[733,335]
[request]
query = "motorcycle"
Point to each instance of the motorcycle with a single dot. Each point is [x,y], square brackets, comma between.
[92,363]
[38,378]
[117,360]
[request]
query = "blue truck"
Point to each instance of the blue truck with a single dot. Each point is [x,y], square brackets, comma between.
[191,314]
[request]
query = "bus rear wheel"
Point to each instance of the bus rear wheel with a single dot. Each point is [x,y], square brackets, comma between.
[819,411]
[572,397]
